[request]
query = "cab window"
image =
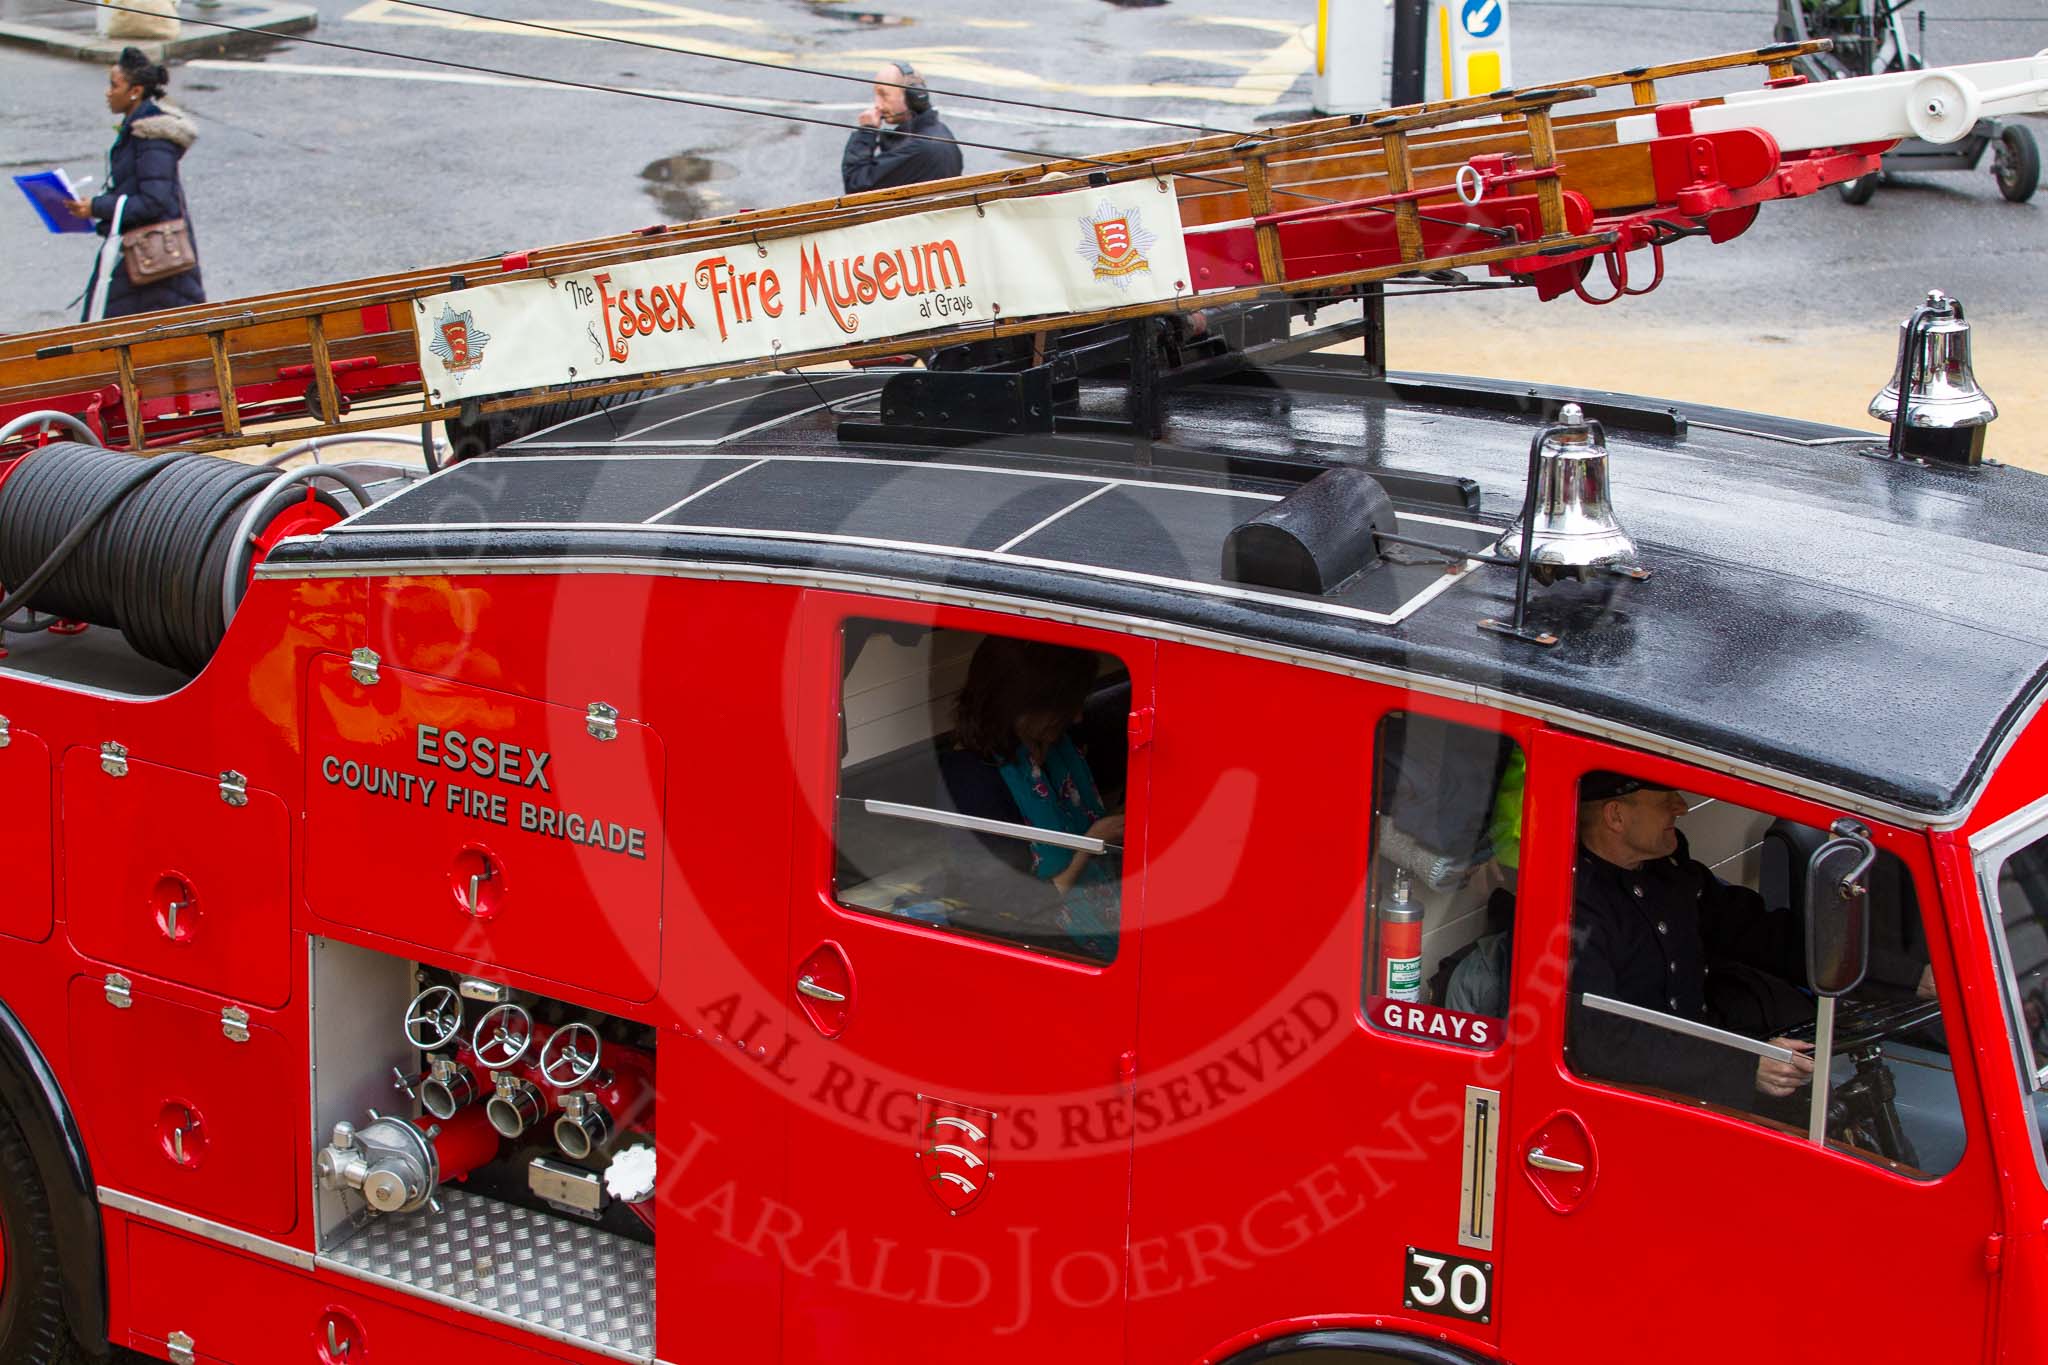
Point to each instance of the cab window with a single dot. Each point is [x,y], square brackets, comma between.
[2019,887]
[1446,831]
[981,786]
[1688,977]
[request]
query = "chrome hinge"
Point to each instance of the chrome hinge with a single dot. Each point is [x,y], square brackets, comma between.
[362,666]
[120,991]
[601,720]
[234,788]
[114,758]
[489,992]
[234,1023]
[5,738]
[1481,1165]
[180,1345]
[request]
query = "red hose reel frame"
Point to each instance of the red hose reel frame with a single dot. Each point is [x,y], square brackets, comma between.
[306,516]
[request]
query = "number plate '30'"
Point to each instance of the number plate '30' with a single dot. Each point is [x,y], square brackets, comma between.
[1448,1286]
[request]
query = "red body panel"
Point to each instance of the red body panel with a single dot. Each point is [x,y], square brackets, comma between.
[239,1309]
[159,1064]
[421,771]
[1203,1145]
[1288,1152]
[1715,1202]
[193,889]
[26,909]
[1035,1260]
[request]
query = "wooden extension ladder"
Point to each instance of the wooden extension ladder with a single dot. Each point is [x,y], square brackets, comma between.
[306,363]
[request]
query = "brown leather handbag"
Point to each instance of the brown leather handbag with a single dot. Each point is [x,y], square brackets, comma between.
[158,251]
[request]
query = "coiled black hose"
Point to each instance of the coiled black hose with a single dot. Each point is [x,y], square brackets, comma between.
[137,545]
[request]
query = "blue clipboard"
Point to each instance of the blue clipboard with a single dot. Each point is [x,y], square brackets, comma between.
[48,191]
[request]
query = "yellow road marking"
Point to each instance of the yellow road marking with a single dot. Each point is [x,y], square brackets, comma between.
[1267,72]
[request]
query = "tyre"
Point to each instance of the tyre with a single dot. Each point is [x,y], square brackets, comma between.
[470,439]
[1859,190]
[2016,163]
[32,1326]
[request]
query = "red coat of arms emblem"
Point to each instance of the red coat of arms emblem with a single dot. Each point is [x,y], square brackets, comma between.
[956,1144]
[457,341]
[1113,240]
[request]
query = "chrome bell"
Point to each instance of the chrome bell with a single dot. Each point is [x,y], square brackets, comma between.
[1946,412]
[1576,531]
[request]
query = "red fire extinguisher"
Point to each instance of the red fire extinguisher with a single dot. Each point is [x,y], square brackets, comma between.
[1400,943]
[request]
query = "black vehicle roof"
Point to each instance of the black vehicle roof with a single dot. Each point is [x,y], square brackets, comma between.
[1870,627]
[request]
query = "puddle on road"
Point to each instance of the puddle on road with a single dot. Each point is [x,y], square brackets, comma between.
[673,181]
[833,9]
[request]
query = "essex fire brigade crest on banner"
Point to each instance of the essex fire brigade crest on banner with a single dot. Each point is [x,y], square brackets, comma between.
[458,342]
[1007,260]
[1115,243]
[956,1144]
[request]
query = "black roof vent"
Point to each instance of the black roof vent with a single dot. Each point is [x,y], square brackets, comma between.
[1314,538]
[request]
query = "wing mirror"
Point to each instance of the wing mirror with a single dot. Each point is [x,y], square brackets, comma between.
[1838,910]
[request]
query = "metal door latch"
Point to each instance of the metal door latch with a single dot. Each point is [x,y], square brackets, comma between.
[362,666]
[114,759]
[1544,1161]
[234,1024]
[120,991]
[601,721]
[808,985]
[181,1349]
[5,738]
[234,788]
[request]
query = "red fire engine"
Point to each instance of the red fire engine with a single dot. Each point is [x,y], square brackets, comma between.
[1141,838]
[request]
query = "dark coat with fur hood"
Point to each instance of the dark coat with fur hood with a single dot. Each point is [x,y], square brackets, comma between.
[144,166]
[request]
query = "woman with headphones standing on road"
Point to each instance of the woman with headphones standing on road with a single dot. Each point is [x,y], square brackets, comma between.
[900,140]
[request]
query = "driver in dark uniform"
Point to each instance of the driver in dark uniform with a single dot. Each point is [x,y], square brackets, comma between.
[1647,922]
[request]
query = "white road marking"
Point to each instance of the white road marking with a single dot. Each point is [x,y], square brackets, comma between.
[398,13]
[1021,119]
[386,73]
[1266,75]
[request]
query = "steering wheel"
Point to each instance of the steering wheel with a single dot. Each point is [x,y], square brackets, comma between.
[570,1056]
[433,1018]
[502,1036]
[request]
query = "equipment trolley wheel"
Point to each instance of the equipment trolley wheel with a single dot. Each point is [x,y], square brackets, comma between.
[2016,163]
[32,1327]
[1859,190]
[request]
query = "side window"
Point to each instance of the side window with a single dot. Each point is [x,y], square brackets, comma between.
[1688,977]
[1447,819]
[2020,884]
[2023,918]
[981,783]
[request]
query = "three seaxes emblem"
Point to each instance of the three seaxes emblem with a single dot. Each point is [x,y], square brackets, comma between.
[955,1145]
[458,341]
[1114,242]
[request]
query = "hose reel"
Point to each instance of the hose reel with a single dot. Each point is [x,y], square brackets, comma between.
[158,548]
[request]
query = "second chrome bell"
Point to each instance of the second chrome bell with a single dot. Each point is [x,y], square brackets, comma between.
[1575,530]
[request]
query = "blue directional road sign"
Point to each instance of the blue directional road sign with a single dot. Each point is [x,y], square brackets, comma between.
[1481,17]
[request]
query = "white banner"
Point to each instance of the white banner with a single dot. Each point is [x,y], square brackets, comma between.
[1083,249]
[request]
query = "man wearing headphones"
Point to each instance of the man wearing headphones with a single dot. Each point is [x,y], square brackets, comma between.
[900,140]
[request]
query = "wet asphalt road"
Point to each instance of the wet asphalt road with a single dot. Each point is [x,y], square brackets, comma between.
[318,164]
